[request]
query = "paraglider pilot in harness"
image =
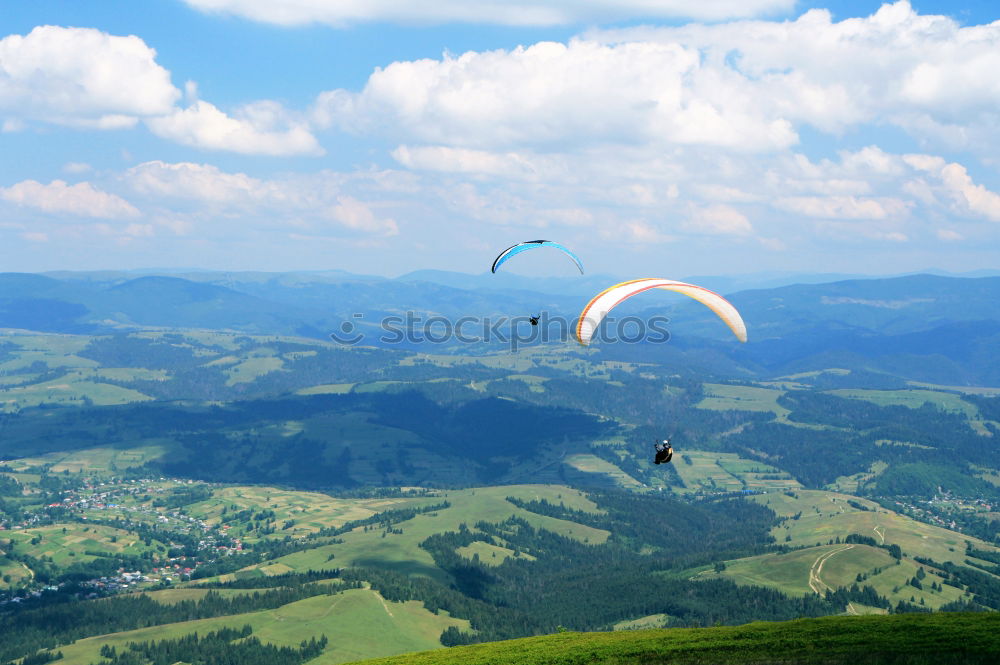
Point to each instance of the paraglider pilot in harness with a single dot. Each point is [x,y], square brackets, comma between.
[664,452]
[534,319]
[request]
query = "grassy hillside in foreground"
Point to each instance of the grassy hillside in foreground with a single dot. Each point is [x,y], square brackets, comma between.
[909,638]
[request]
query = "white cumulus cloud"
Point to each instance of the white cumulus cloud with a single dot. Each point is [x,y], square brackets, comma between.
[636,231]
[843,207]
[86,78]
[258,129]
[550,94]
[81,199]
[81,76]
[358,216]
[185,194]
[739,85]
[515,12]
[924,73]
[976,198]
[719,219]
[461,160]
[954,181]
[200,182]
[76,167]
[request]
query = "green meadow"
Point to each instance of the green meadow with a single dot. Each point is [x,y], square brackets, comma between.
[310,511]
[910,639]
[967,390]
[593,464]
[490,555]
[93,460]
[712,471]
[818,522]
[68,543]
[359,624]
[911,398]
[260,362]
[53,350]
[915,398]
[179,595]
[850,484]
[81,378]
[825,516]
[13,573]
[643,623]
[327,389]
[827,567]
[401,551]
[536,384]
[566,358]
[68,389]
[725,397]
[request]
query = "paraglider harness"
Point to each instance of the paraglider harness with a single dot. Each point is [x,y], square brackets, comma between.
[534,319]
[664,452]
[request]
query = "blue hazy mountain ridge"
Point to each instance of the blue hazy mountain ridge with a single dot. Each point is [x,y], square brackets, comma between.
[213,276]
[777,279]
[583,286]
[278,305]
[922,327]
[36,302]
[590,284]
[174,302]
[376,299]
[960,353]
[884,305]
[888,306]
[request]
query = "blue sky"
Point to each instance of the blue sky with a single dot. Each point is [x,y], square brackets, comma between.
[754,135]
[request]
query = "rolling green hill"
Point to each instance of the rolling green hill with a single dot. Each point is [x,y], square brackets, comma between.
[359,624]
[314,415]
[909,639]
[464,494]
[502,561]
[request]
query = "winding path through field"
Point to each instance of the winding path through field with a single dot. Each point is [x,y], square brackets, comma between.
[880,534]
[815,583]
[384,604]
[332,605]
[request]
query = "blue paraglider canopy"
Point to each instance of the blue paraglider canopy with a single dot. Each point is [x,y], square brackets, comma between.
[534,244]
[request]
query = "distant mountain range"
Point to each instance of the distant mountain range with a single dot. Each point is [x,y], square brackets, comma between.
[923,327]
[504,280]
